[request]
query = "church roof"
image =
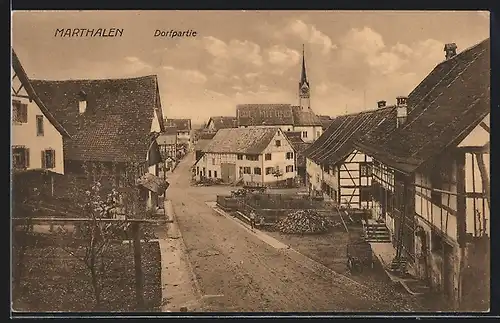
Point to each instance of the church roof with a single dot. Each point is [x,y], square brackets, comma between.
[275,115]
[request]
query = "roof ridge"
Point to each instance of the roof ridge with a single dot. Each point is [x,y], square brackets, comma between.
[389,107]
[155,76]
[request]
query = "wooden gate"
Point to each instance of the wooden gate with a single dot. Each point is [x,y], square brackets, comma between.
[228,172]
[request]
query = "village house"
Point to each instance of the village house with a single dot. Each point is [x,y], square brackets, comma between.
[37,138]
[221,122]
[431,180]
[204,139]
[113,125]
[299,146]
[335,168]
[254,156]
[287,117]
[184,134]
[167,143]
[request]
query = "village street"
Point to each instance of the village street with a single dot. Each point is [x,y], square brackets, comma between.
[237,271]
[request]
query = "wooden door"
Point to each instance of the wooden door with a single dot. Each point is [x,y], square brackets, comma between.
[228,172]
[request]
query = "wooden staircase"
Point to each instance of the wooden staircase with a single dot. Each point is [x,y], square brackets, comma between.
[376,232]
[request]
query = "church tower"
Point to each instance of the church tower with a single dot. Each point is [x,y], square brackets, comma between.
[304,89]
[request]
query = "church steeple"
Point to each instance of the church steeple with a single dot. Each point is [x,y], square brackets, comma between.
[304,90]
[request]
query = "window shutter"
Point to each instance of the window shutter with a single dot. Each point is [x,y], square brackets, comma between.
[43,159]
[53,158]
[24,112]
[27,158]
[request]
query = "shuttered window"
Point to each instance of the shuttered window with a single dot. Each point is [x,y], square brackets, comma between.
[48,158]
[19,112]
[20,158]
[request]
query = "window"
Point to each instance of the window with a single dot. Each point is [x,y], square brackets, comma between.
[268,157]
[257,171]
[39,125]
[252,157]
[247,170]
[278,143]
[304,134]
[289,155]
[269,170]
[289,169]
[365,194]
[204,171]
[20,158]
[318,134]
[215,173]
[48,158]
[365,169]
[213,161]
[240,157]
[436,183]
[19,112]
[288,129]
[209,173]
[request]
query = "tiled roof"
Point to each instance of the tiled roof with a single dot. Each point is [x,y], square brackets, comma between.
[444,108]
[206,135]
[305,118]
[25,81]
[224,122]
[264,114]
[180,124]
[275,115]
[241,140]
[338,139]
[202,144]
[170,130]
[295,139]
[325,121]
[167,139]
[117,122]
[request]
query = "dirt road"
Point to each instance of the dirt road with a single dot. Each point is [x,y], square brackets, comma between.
[236,271]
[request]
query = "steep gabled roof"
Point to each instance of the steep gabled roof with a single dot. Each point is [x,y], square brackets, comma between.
[25,81]
[444,108]
[223,122]
[305,117]
[180,124]
[241,140]
[338,139]
[116,125]
[264,114]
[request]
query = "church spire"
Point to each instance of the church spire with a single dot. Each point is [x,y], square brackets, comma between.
[304,91]
[303,75]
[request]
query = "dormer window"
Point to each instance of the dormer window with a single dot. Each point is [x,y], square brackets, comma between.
[82,103]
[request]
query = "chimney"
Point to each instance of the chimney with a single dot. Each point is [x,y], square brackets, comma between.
[401,110]
[450,50]
[381,104]
[82,103]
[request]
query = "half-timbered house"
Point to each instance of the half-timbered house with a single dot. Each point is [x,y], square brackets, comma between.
[431,177]
[114,124]
[254,156]
[335,167]
[36,140]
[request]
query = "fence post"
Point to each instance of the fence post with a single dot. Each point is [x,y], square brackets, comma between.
[139,279]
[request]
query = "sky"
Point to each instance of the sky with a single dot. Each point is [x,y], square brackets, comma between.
[353,58]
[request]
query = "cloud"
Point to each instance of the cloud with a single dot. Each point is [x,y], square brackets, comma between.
[236,50]
[385,62]
[365,41]
[282,56]
[307,33]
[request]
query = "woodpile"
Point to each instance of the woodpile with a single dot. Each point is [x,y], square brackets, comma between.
[305,222]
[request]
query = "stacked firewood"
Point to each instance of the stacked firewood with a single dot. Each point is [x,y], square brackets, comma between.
[305,222]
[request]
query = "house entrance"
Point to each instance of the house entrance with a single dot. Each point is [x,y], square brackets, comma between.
[228,172]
